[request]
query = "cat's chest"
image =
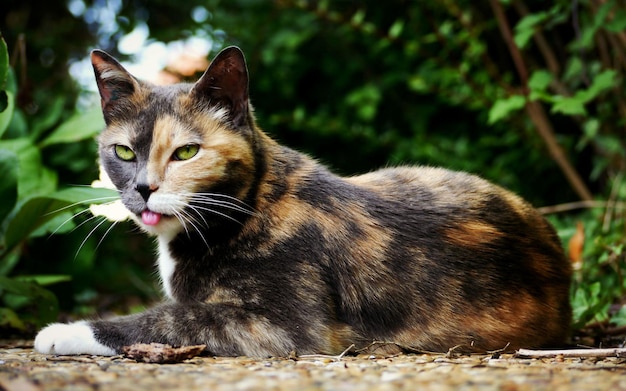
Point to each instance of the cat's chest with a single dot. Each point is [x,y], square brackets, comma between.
[166,265]
[189,271]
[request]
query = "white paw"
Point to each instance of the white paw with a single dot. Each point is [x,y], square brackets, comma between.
[72,338]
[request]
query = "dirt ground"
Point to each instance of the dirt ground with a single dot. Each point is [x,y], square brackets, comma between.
[24,370]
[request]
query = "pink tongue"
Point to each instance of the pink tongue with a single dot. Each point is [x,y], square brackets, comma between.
[150,218]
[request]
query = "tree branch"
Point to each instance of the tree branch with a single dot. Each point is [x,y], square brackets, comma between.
[544,128]
[580,205]
[535,110]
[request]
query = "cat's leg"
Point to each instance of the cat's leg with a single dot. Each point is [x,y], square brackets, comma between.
[226,330]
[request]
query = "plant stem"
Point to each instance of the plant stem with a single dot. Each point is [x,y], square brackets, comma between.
[536,112]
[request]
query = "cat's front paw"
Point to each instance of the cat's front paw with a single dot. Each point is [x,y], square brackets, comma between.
[72,338]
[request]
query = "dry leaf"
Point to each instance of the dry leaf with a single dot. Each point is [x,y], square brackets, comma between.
[160,353]
[576,245]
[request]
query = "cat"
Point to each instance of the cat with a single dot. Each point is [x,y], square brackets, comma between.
[264,252]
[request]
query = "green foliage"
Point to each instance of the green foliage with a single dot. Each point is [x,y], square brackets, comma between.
[599,284]
[32,205]
[6,96]
[503,107]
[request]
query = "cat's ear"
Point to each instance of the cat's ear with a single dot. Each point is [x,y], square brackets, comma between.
[114,82]
[225,84]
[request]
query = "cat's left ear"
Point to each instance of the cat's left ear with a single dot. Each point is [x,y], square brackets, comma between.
[225,84]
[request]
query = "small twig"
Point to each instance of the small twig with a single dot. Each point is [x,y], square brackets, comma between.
[612,202]
[496,353]
[579,205]
[453,349]
[572,353]
[327,356]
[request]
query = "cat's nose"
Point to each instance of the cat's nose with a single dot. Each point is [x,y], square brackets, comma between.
[145,190]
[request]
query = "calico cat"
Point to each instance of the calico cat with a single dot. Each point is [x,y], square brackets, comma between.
[263,251]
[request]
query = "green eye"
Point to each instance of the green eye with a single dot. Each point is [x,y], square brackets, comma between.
[186,152]
[124,153]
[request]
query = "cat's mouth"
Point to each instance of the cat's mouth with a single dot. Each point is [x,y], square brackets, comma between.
[149,217]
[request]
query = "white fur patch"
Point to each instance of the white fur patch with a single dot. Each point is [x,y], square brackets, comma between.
[112,74]
[218,113]
[72,338]
[167,264]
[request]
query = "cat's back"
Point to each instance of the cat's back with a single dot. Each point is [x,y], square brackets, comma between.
[436,187]
[461,211]
[478,259]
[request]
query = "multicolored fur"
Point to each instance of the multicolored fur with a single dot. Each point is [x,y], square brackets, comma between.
[263,251]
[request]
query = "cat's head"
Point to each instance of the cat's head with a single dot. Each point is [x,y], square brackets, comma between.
[181,156]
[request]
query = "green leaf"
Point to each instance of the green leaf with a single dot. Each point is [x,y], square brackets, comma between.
[8,261]
[4,64]
[619,319]
[6,97]
[602,82]
[522,37]
[418,84]
[591,128]
[44,280]
[365,99]
[358,17]
[575,105]
[85,195]
[396,29]
[79,127]
[47,118]
[574,69]
[504,107]
[10,320]
[600,16]
[33,177]
[8,182]
[540,80]
[37,211]
[569,106]
[44,301]
[618,24]
[7,113]
[587,304]
[525,28]
[60,223]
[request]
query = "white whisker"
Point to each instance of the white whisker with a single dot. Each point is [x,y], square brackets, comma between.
[190,220]
[92,200]
[69,219]
[105,234]
[181,219]
[225,204]
[195,209]
[74,216]
[88,235]
[84,222]
[218,213]
[211,196]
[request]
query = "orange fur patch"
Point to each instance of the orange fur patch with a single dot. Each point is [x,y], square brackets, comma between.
[472,233]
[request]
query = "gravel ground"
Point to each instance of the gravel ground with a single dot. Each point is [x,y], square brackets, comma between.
[22,369]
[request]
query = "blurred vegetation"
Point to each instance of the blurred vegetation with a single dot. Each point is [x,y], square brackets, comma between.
[528,94]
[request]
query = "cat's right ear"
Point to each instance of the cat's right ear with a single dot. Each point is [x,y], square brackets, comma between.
[114,82]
